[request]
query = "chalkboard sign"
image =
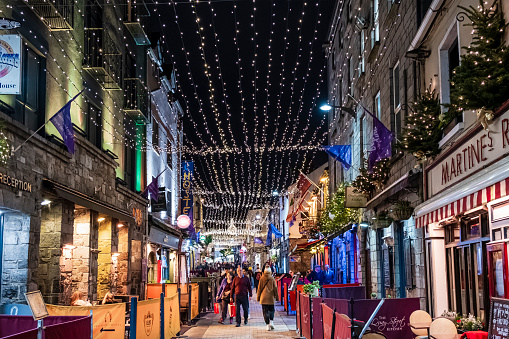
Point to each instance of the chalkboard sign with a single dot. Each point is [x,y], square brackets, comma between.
[499,319]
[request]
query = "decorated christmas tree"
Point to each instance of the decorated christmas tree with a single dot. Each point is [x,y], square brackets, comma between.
[4,146]
[422,132]
[481,82]
[336,216]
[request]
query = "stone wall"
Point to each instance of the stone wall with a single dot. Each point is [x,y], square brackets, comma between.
[123,261]
[81,252]
[104,259]
[15,256]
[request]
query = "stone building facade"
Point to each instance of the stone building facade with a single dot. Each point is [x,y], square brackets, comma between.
[76,221]
[368,68]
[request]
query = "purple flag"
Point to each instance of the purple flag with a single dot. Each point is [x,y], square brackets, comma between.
[258,240]
[153,189]
[62,122]
[382,142]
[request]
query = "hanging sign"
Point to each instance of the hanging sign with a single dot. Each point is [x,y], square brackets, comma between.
[186,200]
[354,199]
[10,64]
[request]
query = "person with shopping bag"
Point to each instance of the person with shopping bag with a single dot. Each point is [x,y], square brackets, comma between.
[241,288]
[224,295]
[266,294]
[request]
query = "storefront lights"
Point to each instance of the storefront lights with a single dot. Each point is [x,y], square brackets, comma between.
[45,202]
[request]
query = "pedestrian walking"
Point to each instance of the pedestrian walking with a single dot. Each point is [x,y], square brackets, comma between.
[329,276]
[242,291]
[224,296]
[266,295]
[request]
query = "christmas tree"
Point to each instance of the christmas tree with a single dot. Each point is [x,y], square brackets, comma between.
[336,216]
[422,132]
[5,152]
[482,79]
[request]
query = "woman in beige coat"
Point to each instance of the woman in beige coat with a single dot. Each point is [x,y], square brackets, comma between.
[266,294]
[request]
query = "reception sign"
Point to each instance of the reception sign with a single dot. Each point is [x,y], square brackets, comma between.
[109,320]
[148,319]
[10,64]
[171,316]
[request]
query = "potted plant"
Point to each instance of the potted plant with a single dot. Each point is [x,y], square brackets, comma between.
[312,289]
[451,315]
[382,220]
[402,210]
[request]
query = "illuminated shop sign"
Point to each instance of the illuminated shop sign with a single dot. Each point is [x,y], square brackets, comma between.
[10,64]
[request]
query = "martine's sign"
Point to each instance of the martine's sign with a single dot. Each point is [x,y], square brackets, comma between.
[470,156]
[10,64]
[186,202]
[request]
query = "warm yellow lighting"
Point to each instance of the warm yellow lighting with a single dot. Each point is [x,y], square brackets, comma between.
[69,247]
[101,219]
[120,225]
[314,198]
[324,179]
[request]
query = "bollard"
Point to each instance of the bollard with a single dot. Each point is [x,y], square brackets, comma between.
[134,304]
[162,314]
[40,329]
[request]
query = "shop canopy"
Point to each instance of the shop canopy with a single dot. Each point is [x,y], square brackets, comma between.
[476,199]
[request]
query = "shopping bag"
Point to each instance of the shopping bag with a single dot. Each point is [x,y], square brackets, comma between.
[231,309]
[217,308]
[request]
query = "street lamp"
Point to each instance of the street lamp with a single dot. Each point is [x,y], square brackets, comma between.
[327,107]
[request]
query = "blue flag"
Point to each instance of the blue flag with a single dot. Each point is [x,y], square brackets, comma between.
[342,153]
[269,236]
[258,240]
[62,122]
[276,232]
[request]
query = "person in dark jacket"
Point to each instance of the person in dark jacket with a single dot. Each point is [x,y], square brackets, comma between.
[224,296]
[317,274]
[329,276]
[241,288]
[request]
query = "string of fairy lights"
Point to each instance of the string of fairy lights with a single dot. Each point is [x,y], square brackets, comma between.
[212,140]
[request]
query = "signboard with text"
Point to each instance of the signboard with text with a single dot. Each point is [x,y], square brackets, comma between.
[354,199]
[470,156]
[10,64]
[186,200]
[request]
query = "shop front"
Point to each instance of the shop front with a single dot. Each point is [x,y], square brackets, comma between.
[464,220]
[162,249]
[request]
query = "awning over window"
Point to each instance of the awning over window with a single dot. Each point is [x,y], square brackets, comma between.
[473,200]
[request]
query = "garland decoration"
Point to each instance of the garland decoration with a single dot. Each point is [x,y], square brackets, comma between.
[5,151]
[336,217]
[481,82]
[422,133]
[366,182]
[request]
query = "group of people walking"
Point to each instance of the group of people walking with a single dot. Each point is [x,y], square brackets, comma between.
[238,290]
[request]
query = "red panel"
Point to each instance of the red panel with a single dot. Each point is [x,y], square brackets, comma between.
[292,301]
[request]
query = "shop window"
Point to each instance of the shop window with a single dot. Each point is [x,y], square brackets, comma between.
[450,233]
[409,264]
[473,227]
[388,266]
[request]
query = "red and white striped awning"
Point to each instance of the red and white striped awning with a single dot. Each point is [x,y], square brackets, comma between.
[473,200]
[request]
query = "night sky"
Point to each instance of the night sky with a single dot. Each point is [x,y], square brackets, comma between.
[249,84]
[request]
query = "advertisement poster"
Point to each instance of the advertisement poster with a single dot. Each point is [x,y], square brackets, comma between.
[109,320]
[148,319]
[10,64]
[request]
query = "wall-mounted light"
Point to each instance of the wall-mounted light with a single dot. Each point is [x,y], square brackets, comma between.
[258,217]
[114,255]
[69,247]
[101,219]
[120,225]
[163,214]
[45,202]
[324,179]
[364,224]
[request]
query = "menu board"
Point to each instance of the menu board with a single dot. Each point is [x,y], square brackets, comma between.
[499,319]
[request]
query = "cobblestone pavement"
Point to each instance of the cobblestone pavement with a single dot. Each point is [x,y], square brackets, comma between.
[209,328]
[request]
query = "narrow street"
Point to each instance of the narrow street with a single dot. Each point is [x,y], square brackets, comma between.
[208,326]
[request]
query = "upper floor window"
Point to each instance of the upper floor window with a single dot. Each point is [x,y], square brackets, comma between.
[449,60]
[396,100]
[28,106]
[375,32]
[422,8]
[155,136]
[362,63]
[377,106]
[366,136]
[94,123]
[130,153]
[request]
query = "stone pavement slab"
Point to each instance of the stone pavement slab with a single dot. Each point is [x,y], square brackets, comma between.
[209,328]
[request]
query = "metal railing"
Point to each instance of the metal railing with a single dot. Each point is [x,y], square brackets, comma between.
[57,15]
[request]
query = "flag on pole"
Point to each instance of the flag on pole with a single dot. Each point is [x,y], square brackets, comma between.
[342,153]
[153,188]
[275,231]
[62,122]
[258,240]
[302,189]
[382,141]
[268,241]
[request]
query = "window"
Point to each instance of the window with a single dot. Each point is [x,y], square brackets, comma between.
[378,108]
[169,154]
[449,59]
[130,153]
[422,8]
[361,57]
[349,11]
[155,136]
[375,32]
[350,76]
[28,107]
[366,136]
[94,123]
[396,100]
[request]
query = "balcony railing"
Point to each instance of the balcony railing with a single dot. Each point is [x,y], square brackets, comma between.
[102,58]
[137,16]
[57,15]
[137,101]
